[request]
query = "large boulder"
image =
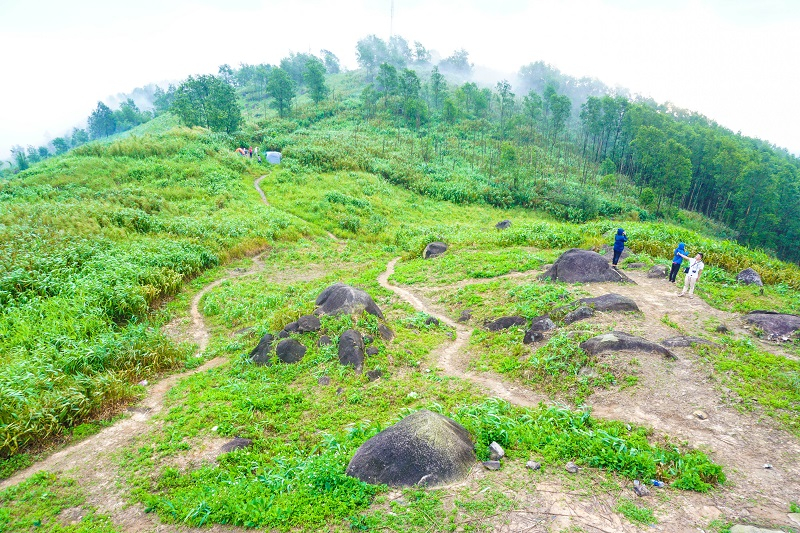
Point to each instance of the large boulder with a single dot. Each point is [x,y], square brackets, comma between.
[290,351]
[617,341]
[748,276]
[505,322]
[344,299]
[351,349]
[776,326]
[503,224]
[434,249]
[610,302]
[583,266]
[658,271]
[424,448]
[260,354]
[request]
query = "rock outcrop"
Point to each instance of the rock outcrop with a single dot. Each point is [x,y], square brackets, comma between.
[583,266]
[424,448]
[748,276]
[503,224]
[434,249]
[506,322]
[290,351]
[658,271]
[344,299]
[351,349]
[776,326]
[617,341]
[260,354]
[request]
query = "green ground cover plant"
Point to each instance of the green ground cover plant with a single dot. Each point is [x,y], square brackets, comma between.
[636,514]
[36,505]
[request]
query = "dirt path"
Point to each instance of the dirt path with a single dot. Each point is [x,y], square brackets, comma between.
[667,397]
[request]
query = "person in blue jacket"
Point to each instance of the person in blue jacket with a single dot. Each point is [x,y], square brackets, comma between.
[677,260]
[619,244]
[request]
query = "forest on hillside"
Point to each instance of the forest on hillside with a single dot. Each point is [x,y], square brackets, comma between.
[574,148]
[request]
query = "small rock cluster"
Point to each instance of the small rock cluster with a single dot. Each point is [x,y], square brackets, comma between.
[335,299]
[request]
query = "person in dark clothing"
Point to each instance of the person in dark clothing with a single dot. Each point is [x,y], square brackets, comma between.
[619,245]
[677,260]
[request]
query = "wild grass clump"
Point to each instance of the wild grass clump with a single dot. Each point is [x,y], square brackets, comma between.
[558,435]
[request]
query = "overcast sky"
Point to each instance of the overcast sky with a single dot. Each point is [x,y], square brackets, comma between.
[736,61]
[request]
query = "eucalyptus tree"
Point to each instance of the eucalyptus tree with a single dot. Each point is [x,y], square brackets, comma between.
[315,80]
[282,89]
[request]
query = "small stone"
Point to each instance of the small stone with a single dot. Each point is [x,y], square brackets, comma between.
[324,381]
[324,340]
[372,375]
[492,465]
[639,489]
[292,327]
[722,328]
[215,428]
[768,466]
[431,321]
[386,333]
[531,337]
[282,334]
[368,339]
[372,350]
[571,467]
[465,316]
[339,391]
[308,323]
[533,465]
[143,383]
[235,444]
[700,414]
[496,452]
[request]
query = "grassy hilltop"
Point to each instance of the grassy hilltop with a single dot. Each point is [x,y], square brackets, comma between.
[104,247]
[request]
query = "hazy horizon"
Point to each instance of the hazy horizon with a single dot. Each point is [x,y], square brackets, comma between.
[725,60]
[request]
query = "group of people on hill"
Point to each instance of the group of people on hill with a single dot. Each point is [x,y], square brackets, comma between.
[249,152]
[693,269]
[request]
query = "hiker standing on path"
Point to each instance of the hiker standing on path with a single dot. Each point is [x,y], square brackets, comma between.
[619,244]
[693,271]
[677,259]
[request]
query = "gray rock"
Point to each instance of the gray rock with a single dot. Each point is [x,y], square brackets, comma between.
[465,316]
[583,266]
[616,341]
[431,321]
[722,328]
[424,445]
[292,327]
[748,276]
[308,323]
[611,302]
[496,452]
[639,489]
[368,339]
[339,391]
[682,341]
[236,444]
[533,465]
[503,224]
[658,271]
[324,381]
[372,350]
[434,249]
[290,351]
[283,334]
[635,266]
[571,467]
[542,324]
[351,349]
[774,325]
[531,337]
[581,313]
[260,354]
[385,333]
[344,299]
[324,340]
[492,465]
[700,415]
[794,518]
[372,375]
[506,322]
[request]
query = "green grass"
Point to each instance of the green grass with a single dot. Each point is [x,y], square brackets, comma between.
[36,505]
[762,381]
[635,513]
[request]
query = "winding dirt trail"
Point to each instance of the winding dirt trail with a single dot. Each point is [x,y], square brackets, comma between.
[668,395]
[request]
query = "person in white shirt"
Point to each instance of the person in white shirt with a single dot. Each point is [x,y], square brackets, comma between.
[693,272]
